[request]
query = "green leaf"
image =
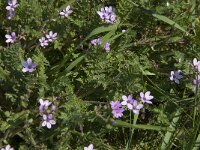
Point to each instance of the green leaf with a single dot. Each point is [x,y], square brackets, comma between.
[139,126]
[169,21]
[197,143]
[72,65]
[168,136]
[160,17]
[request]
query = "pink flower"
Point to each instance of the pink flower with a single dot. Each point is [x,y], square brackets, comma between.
[117,109]
[117,113]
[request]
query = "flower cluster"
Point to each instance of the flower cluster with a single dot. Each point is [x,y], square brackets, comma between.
[65,12]
[130,104]
[50,37]
[8,147]
[47,110]
[12,4]
[28,65]
[96,42]
[11,38]
[90,147]
[107,15]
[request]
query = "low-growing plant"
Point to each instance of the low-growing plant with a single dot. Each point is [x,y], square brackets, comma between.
[99,74]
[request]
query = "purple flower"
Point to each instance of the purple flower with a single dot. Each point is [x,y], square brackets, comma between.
[12,4]
[196,64]
[107,15]
[43,42]
[11,14]
[53,108]
[175,76]
[115,104]
[90,147]
[197,80]
[146,98]
[137,107]
[48,121]
[51,36]
[117,113]
[96,41]
[107,47]
[44,105]
[8,147]
[66,12]
[28,65]
[11,38]
[127,101]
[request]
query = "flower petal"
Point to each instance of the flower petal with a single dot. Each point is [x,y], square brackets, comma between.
[44,123]
[52,121]
[44,117]
[124,97]
[141,94]
[140,106]
[135,111]
[124,103]
[29,61]
[25,64]
[48,125]
[147,94]
[149,102]
[25,69]
[130,107]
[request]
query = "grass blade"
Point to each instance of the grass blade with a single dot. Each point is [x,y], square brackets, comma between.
[167,139]
[139,126]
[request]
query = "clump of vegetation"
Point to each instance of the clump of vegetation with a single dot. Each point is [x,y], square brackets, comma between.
[99,74]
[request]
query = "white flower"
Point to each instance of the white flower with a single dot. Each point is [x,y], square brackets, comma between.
[51,36]
[66,12]
[196,64]
[90,147]
[167,4]
[8,147]
[48,121]
[146,98]
[43,42]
